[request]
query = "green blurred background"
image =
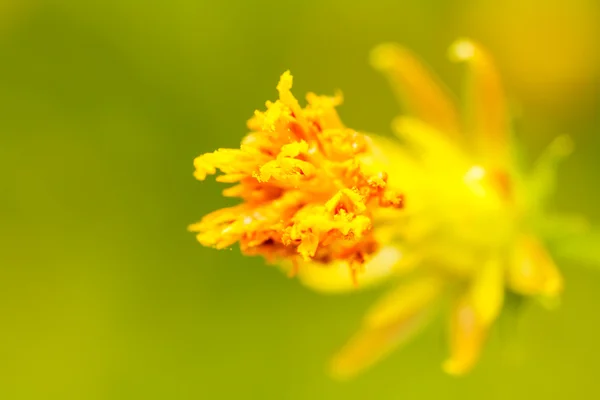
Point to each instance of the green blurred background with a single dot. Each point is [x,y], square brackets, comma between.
[104,105]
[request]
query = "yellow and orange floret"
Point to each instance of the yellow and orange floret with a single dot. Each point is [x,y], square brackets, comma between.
[308,191]
[327,203]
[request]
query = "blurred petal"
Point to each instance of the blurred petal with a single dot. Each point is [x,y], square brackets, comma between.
[472,316]
[487,292]
[562,228]
[487,114]
[532,271]
[425,141]
[336,277]
[390,155]
[384,332]
[404,301]
[583,248]
[543,177]
[467,334]
[416,88]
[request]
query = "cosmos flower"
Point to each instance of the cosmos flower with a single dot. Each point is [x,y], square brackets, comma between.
[444,213]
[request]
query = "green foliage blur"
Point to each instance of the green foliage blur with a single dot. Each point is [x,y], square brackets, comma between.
[104,105]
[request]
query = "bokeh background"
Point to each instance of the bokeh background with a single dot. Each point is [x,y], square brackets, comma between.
[104,105]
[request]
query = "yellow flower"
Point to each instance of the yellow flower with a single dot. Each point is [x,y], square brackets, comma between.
[473,219]
[326,203]
[309,193]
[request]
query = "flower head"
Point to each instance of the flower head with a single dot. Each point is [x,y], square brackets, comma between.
[474,220]
[308,187]
[321,200]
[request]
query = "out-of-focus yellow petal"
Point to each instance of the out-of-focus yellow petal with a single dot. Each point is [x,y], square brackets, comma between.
[487,291]
[467,334]
[388,155]
[336,276]
[541,183]
[373,343]
[416,88]
[425,141]
[532,271]
[486,109]
[404,301]
[563,229]
[473,314]
[582,249]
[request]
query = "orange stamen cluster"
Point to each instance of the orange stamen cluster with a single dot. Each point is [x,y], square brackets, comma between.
[307,192]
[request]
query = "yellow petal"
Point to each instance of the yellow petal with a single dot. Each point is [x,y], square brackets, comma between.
[373,343]
[543,177]
[473,314]
[532,271]
[325,107]
[467,335]
[284,87]
[416,88]
[389,155]
[336,277]
[404,301]
[486,108]
[581,247]
[425,140]
[487,292]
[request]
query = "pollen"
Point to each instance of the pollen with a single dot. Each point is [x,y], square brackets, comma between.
[308,188]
